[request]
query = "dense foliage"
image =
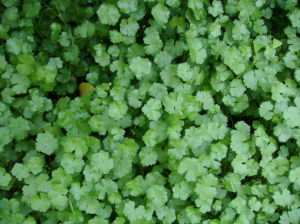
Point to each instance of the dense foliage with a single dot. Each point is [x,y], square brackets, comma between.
[193,115]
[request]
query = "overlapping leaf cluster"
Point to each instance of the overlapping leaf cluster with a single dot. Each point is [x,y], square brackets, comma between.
[195,116]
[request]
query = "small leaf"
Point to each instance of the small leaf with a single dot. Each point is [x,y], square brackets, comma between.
[84,88]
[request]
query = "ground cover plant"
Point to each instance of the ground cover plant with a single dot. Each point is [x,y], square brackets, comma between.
[149,111]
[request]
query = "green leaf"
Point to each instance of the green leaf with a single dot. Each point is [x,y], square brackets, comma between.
[46,143]
[5,178]
[108,14]
[160,13]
